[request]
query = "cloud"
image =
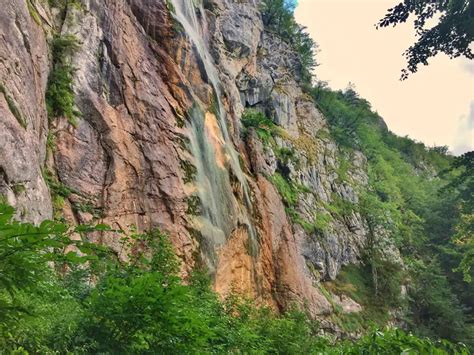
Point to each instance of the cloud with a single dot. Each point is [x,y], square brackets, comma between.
[469,66]
[470,117]
[465,133]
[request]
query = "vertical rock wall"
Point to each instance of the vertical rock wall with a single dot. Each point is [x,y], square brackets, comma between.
[128,161]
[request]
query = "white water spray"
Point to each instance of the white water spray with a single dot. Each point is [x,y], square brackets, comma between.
[221,210]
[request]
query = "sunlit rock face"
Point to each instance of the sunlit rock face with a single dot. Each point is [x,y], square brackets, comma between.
[162,86]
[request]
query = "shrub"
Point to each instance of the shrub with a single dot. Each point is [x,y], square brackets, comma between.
[396,341]
[263,126]
[33,304]
[141,306]
[60,93]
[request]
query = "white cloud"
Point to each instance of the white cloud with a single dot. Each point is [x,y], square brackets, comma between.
[470,117]
[469,66]
[465,134]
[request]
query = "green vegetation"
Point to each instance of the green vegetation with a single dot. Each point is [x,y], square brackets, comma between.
[59,192]
[319,225]
[50,143]
[194,205]
[419,199]
[12,107]
[287,190]
[462,187]
[189,171]
[343,169]
[356,282]
[60,93]
[452,34]
[263,126]
[33,12]
[54,301]
[286,155]
[290,193]
[88,207]
[339,207]
[394,342]
[63,4]
[278,17]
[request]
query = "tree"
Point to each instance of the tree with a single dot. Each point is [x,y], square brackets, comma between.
[463,186]
[34,306]
[452,35]
[278,17]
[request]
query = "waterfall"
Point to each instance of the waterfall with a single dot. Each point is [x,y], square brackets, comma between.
[212,147]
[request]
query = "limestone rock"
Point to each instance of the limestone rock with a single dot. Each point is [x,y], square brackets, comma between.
[139,79]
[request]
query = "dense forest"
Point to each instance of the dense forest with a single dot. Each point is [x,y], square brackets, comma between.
[54,301]
[424,196]
[60,293]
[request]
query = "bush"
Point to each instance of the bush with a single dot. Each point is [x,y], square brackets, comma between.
[263,126]
[33,303]
[395,342]
[60,93]
[141,306]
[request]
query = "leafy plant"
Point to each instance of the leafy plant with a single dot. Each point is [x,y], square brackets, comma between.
[60,92]
[25,252]
[263,126]
[141,305]
[452,34]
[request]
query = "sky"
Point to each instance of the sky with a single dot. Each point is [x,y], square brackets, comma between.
[434,105]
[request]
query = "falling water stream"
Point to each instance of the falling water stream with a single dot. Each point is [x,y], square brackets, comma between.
[220,209]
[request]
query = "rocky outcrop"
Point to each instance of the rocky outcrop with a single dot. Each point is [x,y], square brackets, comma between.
[24,67]
[160,134]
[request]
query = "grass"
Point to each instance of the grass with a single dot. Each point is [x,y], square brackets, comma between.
[18,188]
[322,222]
[296,218]
[286,189]
[290,194]
[307,144]
[319,225]
[336,308]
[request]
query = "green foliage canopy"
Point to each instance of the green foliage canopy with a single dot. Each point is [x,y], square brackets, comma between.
[452,34]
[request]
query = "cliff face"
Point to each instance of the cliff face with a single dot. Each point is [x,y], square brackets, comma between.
[162,87]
